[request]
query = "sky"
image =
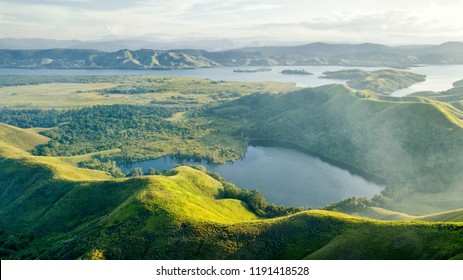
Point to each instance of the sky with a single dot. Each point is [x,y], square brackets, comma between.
[390,22]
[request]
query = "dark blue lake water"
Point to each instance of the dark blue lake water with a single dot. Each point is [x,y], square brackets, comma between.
[285,176]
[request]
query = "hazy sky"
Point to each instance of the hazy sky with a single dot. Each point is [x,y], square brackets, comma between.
[385,21]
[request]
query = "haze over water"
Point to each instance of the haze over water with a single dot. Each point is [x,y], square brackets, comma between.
[285,176]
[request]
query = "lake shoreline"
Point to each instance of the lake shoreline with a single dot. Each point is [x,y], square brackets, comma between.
[291,145]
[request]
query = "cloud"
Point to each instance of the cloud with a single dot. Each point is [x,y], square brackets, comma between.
[80,4]
[291,20]
[379,26]
[391,20]
[237,6]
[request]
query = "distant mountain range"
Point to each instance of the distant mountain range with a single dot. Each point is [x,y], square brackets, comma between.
[92,59]
[209,44]
[310,54]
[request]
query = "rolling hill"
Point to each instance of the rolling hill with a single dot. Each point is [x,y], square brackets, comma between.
[366,54]
[380,81]
[378,213]
[92,59]
[50,209]
[311,54]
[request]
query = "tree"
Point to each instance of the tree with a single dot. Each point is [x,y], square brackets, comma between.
[151,171]
[137,171]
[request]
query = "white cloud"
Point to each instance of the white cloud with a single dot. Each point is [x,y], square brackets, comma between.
[393,21]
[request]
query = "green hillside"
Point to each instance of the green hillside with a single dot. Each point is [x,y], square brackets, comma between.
[378,213]
[449,216]
[21,138]
[380,81]
[413,144]
[46,213]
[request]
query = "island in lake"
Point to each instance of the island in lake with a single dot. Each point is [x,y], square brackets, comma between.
[383,82]
[458,83]
[253,70]
[296,72]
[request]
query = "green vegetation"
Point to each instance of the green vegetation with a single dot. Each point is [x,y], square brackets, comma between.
[379,81]
[359,130]
[296,72]
[458,83]
[382,138]
[182,214]
[364,132]
[253,198]
[79,91]
[55,206]
[365,208]
[20,138]
[138,132]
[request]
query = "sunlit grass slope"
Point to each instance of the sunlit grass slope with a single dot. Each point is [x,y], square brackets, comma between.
[15,141]
[448,216]
[384,214]
[50,209]
[21,138]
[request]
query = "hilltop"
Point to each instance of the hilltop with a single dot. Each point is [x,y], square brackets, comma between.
[181,215]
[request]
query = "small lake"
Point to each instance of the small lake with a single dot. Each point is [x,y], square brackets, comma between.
[439,77]
[284,176]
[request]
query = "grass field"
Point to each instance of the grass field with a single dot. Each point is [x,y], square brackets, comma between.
[141,90]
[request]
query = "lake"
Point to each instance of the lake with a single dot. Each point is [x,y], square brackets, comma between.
[216,74]
[439,77]
[284,176]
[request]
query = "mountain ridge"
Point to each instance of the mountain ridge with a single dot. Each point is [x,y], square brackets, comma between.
[366,54]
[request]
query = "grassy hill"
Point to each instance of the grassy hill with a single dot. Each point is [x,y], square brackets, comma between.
[379,213]
[448,216]
[50,209]
[21,138]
